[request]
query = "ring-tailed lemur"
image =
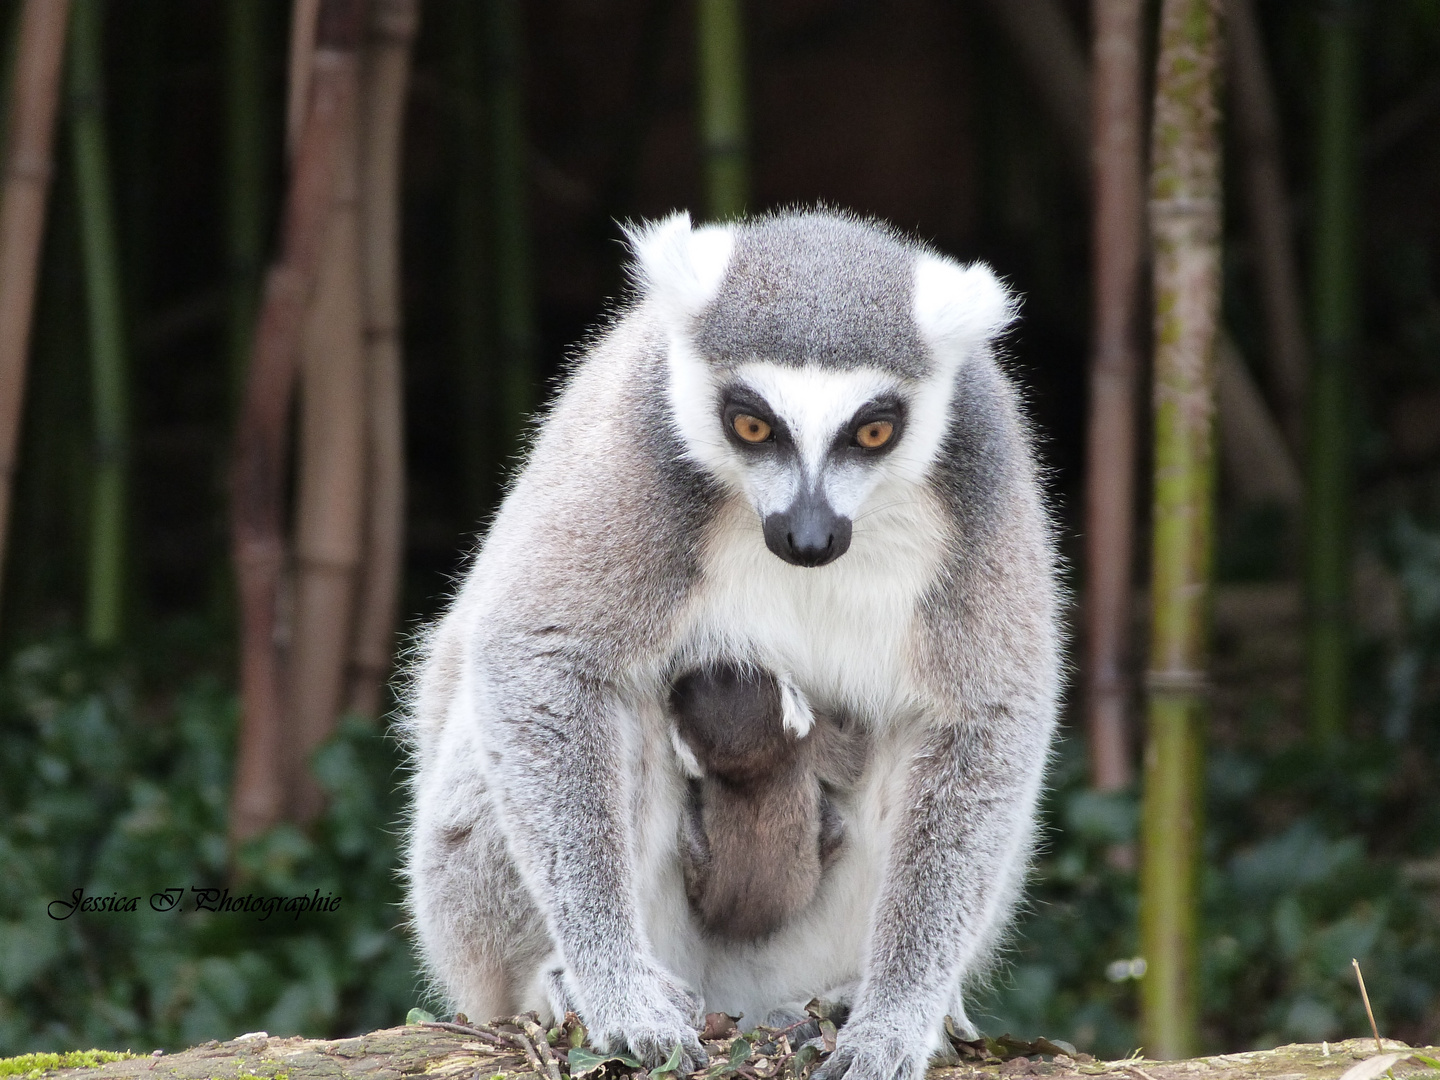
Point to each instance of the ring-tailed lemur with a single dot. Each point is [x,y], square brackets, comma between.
[796,450]
[761,824]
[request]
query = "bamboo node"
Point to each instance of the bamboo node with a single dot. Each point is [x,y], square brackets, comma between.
[22,166]
[1180,206]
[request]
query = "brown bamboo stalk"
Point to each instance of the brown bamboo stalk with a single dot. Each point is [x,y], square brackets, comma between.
[1257,130]
[257,506]
[1118,240]
[303,20]
[40,54]
[393,27]
[330,495]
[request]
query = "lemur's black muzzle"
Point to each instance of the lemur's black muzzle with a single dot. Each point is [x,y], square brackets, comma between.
[809,532]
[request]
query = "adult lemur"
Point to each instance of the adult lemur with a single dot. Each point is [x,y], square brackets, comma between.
[794,450]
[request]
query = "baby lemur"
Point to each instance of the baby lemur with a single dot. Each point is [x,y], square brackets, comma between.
[761,826]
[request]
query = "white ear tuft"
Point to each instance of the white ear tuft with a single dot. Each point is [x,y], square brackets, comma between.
[680,266]
[959,308]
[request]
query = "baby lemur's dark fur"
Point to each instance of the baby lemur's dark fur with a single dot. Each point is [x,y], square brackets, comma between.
[761,826]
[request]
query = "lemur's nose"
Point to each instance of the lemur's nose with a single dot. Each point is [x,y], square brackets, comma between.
[810,545]
[809,532]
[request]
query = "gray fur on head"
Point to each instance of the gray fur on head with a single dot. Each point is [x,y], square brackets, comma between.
[815,288]
[808,386]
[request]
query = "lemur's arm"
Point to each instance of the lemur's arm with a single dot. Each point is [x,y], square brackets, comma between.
[957,855]
[560,746]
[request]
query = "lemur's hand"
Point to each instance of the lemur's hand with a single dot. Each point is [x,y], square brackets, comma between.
[875,1052]
[649,1012]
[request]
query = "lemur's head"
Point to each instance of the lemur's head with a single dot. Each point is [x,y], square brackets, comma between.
[812,360]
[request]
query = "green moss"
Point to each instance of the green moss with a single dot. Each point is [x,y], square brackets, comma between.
[31,1066]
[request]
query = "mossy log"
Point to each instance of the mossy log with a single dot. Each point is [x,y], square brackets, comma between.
[416,1051]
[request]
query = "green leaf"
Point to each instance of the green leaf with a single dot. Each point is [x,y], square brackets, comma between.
[419,1016]
[671,1063]
[739,1052]
[1423,1059]
[807,1053]
[585,1061]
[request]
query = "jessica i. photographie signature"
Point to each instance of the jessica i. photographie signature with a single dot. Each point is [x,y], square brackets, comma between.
[206,899]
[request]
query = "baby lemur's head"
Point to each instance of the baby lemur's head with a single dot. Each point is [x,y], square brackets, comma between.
[730,717]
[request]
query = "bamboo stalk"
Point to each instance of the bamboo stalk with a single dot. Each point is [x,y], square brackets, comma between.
[257,507]
[9,57]
[514,290]
[105,590]
[1257,127]
[1336,307]
[1185,237]
[721,41]
[1119,256]
[304,18]
[330,495]
[246,172]
[34,95]
[394,24]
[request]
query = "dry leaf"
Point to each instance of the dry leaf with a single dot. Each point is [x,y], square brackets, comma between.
[1372,1067]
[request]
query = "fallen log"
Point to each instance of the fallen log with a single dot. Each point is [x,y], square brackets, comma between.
[433,1053]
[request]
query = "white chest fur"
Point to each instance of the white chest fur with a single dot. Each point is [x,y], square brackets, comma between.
[842,632]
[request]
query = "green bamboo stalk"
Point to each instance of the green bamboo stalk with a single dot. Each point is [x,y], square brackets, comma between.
[247,167]
[509,150]
[1336,306]
[1185,236]
[722,106]
[105,315]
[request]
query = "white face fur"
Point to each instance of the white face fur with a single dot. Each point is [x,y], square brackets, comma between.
[812,456]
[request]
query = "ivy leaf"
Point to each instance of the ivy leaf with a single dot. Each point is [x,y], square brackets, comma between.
[807,1053]
[585,1061]
[419,1016]
[671,1063]
[739,1052]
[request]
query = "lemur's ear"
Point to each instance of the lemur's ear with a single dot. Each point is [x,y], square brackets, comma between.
[679,266]
[959,309]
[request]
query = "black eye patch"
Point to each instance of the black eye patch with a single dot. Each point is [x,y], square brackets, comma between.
[740,401]
[883,410]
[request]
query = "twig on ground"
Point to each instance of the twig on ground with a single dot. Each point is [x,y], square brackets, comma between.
[494,1037]
[541,1042]
[1365,997]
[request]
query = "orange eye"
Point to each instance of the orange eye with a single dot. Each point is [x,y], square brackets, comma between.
[875,434]
[751,428]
